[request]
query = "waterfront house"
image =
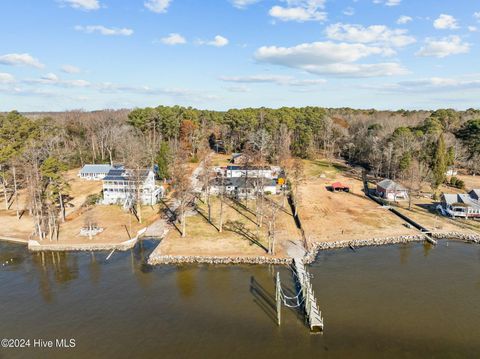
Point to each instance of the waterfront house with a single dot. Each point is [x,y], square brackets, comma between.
[94,172]
[391,191]
[464,205]
[242,187]
[121,186]
[251,171]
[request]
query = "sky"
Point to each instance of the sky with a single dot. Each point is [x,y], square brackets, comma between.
[58,55]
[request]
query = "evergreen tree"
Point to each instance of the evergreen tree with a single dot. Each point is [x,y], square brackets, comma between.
[163,160]
[439,163]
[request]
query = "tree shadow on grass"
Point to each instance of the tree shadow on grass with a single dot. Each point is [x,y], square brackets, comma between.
[202,213]
[239,228]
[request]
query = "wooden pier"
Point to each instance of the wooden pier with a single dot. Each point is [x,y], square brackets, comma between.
[313,313]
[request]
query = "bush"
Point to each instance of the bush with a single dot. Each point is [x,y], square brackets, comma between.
[457,183]
[92,200]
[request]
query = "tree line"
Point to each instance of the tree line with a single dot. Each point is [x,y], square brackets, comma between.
[37,149]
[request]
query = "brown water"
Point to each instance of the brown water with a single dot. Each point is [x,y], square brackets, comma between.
[406,301]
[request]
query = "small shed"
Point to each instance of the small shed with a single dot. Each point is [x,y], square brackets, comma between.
[340,187]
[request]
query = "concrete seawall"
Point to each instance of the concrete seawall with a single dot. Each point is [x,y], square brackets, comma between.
[35,246]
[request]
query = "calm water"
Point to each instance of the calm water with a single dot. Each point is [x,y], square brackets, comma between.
[408,301]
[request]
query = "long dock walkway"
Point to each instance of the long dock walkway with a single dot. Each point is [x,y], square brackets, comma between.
[314,315]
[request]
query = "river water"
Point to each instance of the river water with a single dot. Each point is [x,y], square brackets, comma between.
[399,301]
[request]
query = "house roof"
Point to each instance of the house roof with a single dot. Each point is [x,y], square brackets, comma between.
[339,185]
[241,182]
[95,169]
[122,174]
[461,199]
[475,193]
[388,184]
[247,168]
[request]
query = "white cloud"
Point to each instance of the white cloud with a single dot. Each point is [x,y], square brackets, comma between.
[53,80]
[472,29]
[242,4]
[349,11]
[276,79]
[300,10]
[445,22]
[83,4]
[112,31]
[173,39]
[388,2]
[20,59]
[330,58]
[6,78]
[375,34]
[393,2]
[476,15]
[237,89]
[432,84]
[185,94]
[218,41]
[70,69]
[158,6]
[404,19]
[450,45]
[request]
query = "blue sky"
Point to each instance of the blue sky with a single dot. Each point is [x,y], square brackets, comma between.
[219,54]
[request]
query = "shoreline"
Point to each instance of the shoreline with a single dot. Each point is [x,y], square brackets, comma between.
[316,247]
[309,257]
[35,246]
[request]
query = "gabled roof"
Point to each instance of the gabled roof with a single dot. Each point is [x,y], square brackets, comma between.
[388,184]
[475,193]
[241,182]
[122,174]
[463,200]
[247,168]
[95,169]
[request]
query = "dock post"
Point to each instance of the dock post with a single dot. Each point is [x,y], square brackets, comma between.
[278,296]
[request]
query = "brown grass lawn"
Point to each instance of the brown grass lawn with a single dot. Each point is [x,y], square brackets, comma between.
[328,216]
[115,221]
[221,160]
[203,238]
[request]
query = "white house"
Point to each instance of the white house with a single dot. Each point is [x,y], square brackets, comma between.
[120,186]
[94,172]
[242,187]
[462,205]
[391,191]
[250,171]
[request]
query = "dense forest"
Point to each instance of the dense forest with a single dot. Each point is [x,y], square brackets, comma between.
[415,146]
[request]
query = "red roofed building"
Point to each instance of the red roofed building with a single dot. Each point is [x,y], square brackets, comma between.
[339,187]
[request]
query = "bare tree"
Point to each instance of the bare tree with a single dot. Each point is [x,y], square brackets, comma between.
[296,180]
[182,186]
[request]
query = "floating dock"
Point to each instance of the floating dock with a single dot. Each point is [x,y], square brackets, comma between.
[313,313]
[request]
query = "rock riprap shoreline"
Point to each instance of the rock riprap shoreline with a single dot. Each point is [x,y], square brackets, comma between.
[157,258]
